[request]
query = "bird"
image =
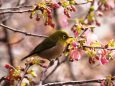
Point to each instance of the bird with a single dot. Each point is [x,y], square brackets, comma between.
[51,47]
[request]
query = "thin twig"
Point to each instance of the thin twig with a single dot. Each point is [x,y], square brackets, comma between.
[22,32]
[76,82]
[1,79]
[98,47]
[82,3]
[15,8]
[58,64]
[83,32]
[89,11]
[19,11]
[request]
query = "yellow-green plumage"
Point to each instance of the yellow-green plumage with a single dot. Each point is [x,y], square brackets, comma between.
[52,47]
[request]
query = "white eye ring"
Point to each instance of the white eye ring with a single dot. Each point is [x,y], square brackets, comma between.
[64,36]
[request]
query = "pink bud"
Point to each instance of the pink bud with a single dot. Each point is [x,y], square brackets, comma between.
[74,44]
[67,13]
[75,55]
[76,33]
[56,6]
[73,8]
[104,60]
[8,66]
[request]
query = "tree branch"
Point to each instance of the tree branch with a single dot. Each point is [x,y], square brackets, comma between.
[57,65]
[89,11]
[19,9]
[16,8]
[99,47]
[22,32]
[77,82]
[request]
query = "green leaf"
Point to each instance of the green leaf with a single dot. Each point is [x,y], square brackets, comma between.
[111,43]
[91,53]
[95,44]
[65,4]
[92,8]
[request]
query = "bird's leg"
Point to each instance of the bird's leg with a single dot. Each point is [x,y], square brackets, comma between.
[51,63]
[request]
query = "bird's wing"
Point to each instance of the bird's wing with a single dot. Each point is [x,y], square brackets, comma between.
[46,44]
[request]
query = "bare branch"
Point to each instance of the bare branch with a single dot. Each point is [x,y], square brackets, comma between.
[99,47]
[76,82]
[22,32]
[16,8]
[89,11]
[58,64]
[82,3]
[18,11]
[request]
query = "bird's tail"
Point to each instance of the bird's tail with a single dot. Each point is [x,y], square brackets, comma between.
[26,57]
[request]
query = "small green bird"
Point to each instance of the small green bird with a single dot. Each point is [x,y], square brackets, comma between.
[52,47]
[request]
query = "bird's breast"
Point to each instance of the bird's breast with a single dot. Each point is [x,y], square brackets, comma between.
[53,52]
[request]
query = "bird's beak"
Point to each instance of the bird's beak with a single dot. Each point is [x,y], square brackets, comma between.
[69,39]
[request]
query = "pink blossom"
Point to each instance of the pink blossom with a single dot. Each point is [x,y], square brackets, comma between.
[102,83]
[103,57]
[104,60]
[74,44]
[75,55]
[76,33]
[56,5]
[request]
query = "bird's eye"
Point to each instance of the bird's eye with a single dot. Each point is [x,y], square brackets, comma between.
[64,36]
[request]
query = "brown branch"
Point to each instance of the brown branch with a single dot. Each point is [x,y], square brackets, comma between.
[18,11]
[83,32]
[82,3]
[58,64]
[1,79]
[89,11]
[99,47]
[16,8]
[22,32]
[77,82]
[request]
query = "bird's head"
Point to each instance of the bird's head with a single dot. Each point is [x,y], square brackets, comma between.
[60,36]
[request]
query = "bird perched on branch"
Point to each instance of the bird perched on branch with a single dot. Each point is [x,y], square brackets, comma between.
[52,47]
